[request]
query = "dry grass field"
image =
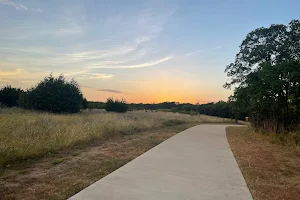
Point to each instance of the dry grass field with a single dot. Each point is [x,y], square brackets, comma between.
[269,162]
[48,156]
[63,174]
[25,134]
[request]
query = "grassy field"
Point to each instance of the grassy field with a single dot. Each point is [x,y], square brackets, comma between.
[25,134]
[63,174]
[269,162]
[46,156]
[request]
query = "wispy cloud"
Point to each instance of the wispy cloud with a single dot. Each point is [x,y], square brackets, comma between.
[5,81]
[135,82]
[75,73]
[67,26]
[37,10]
[11,73]
[146,64]
[88,75]
[111,56]
[77,44]
[110,90]
[98,76]
[17,6]
[85,86]
[19,76]
[201,51]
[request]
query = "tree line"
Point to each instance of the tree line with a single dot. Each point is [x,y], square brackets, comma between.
[58,95]
[266,77]
[219,109]
[54,95]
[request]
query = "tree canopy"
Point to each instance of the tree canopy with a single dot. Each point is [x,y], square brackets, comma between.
[267,69]
[55,95]
[275,44]
[116,105]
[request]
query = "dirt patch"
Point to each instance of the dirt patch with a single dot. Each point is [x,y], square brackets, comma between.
[62,175]
[272,171]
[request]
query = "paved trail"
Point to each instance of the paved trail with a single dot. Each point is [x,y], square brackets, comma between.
[194,164]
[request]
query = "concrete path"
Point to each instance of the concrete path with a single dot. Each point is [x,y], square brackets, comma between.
[194,164]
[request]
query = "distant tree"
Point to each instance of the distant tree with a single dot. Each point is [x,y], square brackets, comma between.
[23,100]
[9,96]
[95,105]
[187,107]
[56,95]
[273,45]
[116,105]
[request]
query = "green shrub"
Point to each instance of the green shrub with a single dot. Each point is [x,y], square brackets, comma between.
[9,96]
[55,95]
[116,105]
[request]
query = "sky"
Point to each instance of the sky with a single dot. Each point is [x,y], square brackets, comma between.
[145,51]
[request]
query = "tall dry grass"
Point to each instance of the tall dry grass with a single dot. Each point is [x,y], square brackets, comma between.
[291,138]
[25,134]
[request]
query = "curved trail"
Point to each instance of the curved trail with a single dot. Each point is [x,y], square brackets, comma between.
[194,164]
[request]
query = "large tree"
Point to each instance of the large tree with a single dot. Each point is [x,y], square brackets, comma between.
[267,73]
[55,95]
[273,45]
[271,95]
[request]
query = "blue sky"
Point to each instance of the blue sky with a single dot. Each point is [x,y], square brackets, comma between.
[145,51]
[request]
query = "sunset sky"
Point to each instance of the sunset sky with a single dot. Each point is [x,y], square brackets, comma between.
[145,51]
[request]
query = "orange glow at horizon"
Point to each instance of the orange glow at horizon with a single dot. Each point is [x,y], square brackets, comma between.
[150,97]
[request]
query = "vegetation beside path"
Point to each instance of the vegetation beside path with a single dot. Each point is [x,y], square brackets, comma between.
[29,135]
[63,174]
[85,147]
[270,163]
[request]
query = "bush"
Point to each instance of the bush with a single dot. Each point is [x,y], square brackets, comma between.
[55,95]
[84,103]
[96,105]
[116,105]
[9,96]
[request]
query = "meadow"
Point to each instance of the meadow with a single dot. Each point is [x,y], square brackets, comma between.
[27,134]
[53,156]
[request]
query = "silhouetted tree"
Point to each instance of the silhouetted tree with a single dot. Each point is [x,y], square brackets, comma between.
[267,69]
[116,105]
[273,45]
[55,95]
[9,96]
